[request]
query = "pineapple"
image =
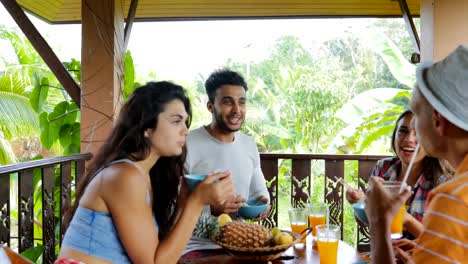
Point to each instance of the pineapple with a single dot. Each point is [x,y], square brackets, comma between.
[240,234]
[206,226]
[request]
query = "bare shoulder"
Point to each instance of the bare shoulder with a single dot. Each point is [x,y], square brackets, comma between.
[122,178]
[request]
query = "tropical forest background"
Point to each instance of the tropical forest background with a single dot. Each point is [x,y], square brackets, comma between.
[341,98]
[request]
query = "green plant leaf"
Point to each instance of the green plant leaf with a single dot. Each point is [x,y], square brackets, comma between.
[72,113]
[39,94]
[47,139]
[65,136]
[7,155]
[129,75]
[16,116]
[33,253]
[400,67]
[72,149]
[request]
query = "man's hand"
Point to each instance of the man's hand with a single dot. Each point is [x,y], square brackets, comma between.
[381,205]
[403,249]
[267,210]
[232,205]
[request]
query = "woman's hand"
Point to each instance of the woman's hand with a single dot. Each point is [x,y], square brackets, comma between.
[216,189]
[354,195]
[183,192]
[412,225]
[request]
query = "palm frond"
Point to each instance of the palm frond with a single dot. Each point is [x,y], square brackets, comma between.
[17,118]
[16,80]
[24,51]
[6,152]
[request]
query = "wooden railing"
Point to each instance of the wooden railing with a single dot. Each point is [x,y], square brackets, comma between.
[56,176]
[59,175]
[301,176]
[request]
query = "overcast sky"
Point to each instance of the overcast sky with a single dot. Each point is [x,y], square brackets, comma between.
[181,50]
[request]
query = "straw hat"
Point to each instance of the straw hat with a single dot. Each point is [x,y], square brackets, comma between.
[445,85]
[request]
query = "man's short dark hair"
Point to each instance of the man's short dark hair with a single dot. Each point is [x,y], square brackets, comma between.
[220,78]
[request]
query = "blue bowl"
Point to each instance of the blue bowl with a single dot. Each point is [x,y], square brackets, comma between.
[360,212]
[193,179]
[253,210]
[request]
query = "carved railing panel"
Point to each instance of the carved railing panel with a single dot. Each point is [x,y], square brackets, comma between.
[365,168]
[5,209]
[334,191]
[270,171]
[26,171]
[48,215]
[25,209]
[300,182]
[65,193]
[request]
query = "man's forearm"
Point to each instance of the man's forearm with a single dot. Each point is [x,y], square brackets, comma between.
[382,249]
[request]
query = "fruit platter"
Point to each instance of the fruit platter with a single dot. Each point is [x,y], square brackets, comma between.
[252,241]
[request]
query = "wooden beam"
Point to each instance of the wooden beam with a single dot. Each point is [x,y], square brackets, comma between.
[44,50]
[410,25]
[129,24]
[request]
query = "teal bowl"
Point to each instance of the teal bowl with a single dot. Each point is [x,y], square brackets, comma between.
[360,212]
[193,179]
[253,209]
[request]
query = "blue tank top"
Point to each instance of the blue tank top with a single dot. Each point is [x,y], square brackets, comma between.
[94,233]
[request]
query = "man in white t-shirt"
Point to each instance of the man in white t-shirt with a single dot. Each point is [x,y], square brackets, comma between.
[220,146]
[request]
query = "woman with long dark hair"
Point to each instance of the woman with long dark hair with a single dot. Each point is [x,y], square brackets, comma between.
[129,208]
[426,174]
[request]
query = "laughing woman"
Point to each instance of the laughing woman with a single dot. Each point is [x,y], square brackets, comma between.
[128,208]
[427,172]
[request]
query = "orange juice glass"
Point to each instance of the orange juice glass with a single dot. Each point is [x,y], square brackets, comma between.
[328,237]
[396,228]
[317,215]
[298,220]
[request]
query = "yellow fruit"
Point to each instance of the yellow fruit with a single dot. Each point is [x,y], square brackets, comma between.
[275,231]
[223,219]
[283,238]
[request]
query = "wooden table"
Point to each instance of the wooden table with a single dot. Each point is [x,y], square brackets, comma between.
[301,253]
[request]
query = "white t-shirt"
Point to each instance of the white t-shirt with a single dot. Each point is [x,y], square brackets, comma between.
[207,154]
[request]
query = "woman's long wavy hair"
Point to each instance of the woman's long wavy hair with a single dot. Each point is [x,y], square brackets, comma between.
[127,140]
[433,168]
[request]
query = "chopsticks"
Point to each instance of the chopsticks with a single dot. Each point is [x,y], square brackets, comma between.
[340,180]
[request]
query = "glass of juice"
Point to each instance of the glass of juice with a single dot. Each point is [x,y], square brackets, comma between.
[396,228]
[298,220]
[328,237]
[318,213]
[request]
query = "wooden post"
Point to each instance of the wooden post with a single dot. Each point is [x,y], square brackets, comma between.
[450,30]
[102,69]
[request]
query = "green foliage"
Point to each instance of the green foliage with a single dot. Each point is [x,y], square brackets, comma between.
[16,115]
[34,253]
[74,67]
[40,92]
[61,125]
[6,153]
[399,66]
[129,75]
